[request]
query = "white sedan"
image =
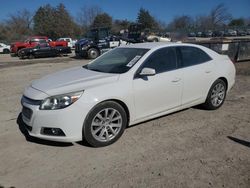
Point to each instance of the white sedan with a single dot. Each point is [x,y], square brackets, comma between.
[125,86]
[4,48]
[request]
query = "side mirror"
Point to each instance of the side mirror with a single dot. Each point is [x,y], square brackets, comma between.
[147,72]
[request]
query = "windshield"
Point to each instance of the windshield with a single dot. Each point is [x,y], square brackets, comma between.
[118,60]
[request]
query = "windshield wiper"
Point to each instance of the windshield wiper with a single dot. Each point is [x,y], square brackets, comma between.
[92,69]
[97,70]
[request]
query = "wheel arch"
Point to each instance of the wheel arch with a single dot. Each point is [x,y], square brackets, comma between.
[225,80]
[120,102]
[220,78]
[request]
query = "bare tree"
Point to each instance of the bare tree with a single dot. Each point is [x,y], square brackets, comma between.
[22,18]
[219,15]
[19,24]
[202,23]
[181,23]
[87,15]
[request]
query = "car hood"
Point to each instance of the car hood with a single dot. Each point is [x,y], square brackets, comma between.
[83,41]
[19,43]
[71,80]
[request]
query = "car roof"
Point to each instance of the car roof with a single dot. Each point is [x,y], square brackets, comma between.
[156,45]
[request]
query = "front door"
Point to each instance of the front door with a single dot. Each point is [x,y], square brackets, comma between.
[162,91]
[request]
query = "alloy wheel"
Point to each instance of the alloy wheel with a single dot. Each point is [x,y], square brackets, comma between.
[106,124]
[218,94]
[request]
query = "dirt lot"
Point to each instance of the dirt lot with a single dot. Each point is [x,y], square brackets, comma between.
[191,148]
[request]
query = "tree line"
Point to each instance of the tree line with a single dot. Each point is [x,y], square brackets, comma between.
[57,22]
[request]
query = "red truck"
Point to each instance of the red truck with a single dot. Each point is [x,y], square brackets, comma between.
[32,42]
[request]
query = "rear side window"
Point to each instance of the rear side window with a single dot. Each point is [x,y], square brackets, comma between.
[193,56]
[162,60]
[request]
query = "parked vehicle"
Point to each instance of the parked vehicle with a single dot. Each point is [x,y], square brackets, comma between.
[32,42]
[192,34]
[71,43]
[218,34]
[248,31]
[231,33]
[208,34]
[4,48]
[43,50]
[97,41]
[158,38]
[125,86]
[199,34]
[241,32]
[136,34]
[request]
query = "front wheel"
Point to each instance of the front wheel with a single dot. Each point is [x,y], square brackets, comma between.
[216,95]
[6,51]
[93,53]
[19,53]
[104,124]
[31,56]
[155,40]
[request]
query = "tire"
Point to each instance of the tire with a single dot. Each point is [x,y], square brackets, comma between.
[6,51]
[155,40]
[93,53]
[21,57]
[216,95]
[104,124]
[31,56]
[19,53]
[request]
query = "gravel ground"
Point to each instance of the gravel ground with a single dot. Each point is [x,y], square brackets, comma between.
[191,148]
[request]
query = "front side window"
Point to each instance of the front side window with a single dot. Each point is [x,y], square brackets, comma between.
[162,60]
[193,56]
[118,60]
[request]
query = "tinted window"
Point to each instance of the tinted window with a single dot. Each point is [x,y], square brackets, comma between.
[162,60]
[193,56]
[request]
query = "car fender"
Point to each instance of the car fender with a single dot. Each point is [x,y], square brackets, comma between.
[114,92]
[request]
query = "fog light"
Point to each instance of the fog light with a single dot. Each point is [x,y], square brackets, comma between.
[55,131]
[52,131]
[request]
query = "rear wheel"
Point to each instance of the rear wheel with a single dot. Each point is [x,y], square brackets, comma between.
[105,124]
[93,53]
[216,95]
[155,40]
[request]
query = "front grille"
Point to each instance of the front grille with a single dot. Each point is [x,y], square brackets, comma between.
[27,112]
[30,101]
[77,47]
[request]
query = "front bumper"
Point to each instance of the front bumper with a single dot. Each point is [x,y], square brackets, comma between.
[70,120]
[81,53]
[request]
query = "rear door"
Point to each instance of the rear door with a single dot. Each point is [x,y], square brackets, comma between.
[197,67]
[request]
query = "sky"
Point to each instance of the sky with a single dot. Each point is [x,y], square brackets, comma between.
[164,10]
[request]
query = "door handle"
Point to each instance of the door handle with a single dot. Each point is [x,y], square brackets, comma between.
[176,80]
[208,71]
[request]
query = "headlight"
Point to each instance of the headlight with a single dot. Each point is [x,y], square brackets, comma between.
[60,101]
[84,47]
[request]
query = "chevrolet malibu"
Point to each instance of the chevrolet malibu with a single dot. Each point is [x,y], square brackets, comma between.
[125,86]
